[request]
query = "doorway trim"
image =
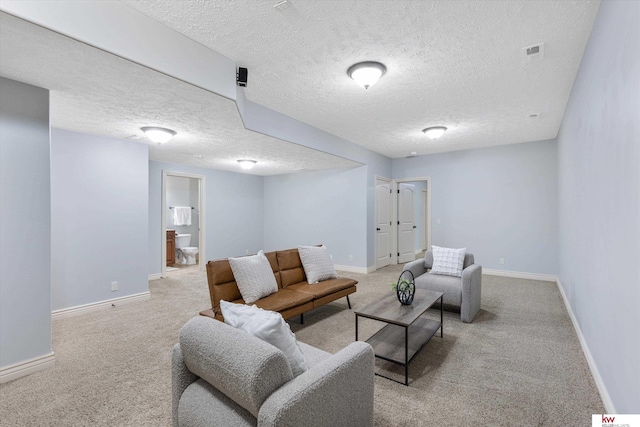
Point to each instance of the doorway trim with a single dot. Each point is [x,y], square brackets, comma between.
[394,215]
[201,219]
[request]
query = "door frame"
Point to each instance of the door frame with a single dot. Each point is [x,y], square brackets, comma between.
[375,218]
[394,215]
[201,218]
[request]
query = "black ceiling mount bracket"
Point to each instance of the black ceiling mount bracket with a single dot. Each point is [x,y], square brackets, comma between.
[241,77]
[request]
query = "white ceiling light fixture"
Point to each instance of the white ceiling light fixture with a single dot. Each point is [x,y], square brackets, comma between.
[247,164]
[157,134]
[434,132]
[366,74]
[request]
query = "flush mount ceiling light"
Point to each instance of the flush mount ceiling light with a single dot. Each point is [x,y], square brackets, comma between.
[247,164]
[157,134]
[366,74]
[434,132]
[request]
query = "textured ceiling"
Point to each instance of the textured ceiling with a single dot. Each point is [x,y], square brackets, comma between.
[451,63]
[98,93]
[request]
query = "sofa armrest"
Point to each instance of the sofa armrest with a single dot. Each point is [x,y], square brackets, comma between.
[471,292]
[416,267]
[336,392]
[181,378]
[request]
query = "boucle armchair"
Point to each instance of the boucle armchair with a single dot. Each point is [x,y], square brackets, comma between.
[222,376]
[459,292]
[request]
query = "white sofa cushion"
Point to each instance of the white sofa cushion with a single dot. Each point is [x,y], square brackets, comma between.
[316,263]
[254,277]
[269,326]
[447,261]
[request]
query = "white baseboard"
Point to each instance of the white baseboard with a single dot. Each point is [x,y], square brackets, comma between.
[602,389]
[81,309]
[155,276]
[27,367]
[520,275]
[352,269]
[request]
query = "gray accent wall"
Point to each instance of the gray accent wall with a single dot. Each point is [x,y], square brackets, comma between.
[599,201]
[310,208]
[498,202]
[25,227]
[233,212]
[99,214]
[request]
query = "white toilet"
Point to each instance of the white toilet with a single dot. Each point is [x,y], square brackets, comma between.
[187,253]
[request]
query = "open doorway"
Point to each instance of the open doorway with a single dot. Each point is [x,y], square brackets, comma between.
[412,216]
[183,207]
[403,219]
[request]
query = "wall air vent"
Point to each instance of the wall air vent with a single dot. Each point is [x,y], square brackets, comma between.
[533,53]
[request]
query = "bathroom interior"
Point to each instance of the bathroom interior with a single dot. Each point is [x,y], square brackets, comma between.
[182,226]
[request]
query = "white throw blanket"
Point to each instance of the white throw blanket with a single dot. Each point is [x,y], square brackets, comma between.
[182,215]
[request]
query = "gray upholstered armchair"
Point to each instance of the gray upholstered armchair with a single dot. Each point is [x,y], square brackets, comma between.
[222,376]
[459,292]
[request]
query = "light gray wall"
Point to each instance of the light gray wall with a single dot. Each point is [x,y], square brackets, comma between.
[309,208]
[498,202]
[234,207]
[25,227]
[183,191]
[261,119]
[599,194]
[99,192]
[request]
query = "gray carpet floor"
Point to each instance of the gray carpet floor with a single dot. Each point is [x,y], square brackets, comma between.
[518,364]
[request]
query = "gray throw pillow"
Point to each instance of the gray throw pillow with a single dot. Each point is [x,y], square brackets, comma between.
[254,277]
[316,263]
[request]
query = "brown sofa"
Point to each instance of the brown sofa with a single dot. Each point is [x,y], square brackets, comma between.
[294,296]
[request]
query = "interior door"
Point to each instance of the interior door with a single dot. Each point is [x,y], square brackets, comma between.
[383,223]
[406,226]
[425,223]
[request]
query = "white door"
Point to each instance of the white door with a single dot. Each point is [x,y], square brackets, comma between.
[425,223]
[383,223]
[406,226]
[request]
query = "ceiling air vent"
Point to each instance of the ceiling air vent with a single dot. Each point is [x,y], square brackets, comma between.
[282,5]
[533,53]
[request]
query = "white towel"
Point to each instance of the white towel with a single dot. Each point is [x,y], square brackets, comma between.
[182,215]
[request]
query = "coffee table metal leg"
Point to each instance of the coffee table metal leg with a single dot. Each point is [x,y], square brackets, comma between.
[406,355]
[441,317]
[356,327]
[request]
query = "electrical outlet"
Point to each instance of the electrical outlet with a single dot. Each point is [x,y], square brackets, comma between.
[501,261]
[114,286]
[350,257]
[438,221]
[246,251]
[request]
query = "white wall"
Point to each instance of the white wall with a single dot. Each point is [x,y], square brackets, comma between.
[599,200]
[25,227]
[234,207]
[99,192]
[183,191]
[309,208]
[498,202]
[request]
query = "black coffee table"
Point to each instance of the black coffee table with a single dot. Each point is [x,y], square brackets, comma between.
[407,330]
